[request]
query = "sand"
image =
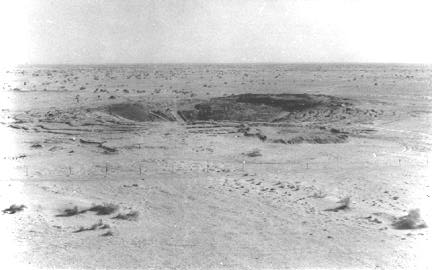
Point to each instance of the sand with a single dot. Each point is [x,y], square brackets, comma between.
[216,166]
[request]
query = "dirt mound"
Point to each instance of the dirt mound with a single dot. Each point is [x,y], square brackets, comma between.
[269,108]
[275,118]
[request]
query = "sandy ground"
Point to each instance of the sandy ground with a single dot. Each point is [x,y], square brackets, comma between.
[205,201]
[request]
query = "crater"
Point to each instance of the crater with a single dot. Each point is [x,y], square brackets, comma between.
[322,113]
[258,107]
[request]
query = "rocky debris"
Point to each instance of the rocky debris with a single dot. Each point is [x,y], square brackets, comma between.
[132,215]
[343,205]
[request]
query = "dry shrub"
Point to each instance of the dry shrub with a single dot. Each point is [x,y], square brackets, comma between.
[68,212]
[133,215]
[13,209]
[104,209]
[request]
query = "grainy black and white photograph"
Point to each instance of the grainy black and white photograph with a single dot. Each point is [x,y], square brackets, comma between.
[215,134]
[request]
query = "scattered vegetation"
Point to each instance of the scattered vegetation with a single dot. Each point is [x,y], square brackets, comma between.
[68,212]
[99,209]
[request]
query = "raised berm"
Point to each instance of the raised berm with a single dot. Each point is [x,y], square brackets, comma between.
[261,107]
[246,108]
[279,118]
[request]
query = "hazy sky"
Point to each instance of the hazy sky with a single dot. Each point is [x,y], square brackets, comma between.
[142,31]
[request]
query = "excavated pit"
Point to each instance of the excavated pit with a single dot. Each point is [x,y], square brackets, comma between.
[258,107]
[237,108]
[277,118]
[282,118]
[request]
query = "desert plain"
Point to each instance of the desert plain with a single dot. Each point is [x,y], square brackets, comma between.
[205,166]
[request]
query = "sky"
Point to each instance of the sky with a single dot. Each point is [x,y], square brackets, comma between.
[215,31]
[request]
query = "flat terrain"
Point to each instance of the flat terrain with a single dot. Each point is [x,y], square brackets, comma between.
[216,166]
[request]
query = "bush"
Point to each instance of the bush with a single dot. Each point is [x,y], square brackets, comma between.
[133,215]
[14,208]
[68,212]
[104,209]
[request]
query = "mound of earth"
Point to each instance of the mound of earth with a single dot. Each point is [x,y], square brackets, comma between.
[276,118]
[270,108]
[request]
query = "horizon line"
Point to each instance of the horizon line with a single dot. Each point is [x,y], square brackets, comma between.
[217,63]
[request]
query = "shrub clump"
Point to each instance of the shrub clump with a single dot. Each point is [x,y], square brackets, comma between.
[104,209]
[68,212]
[133,215]
[13,209]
